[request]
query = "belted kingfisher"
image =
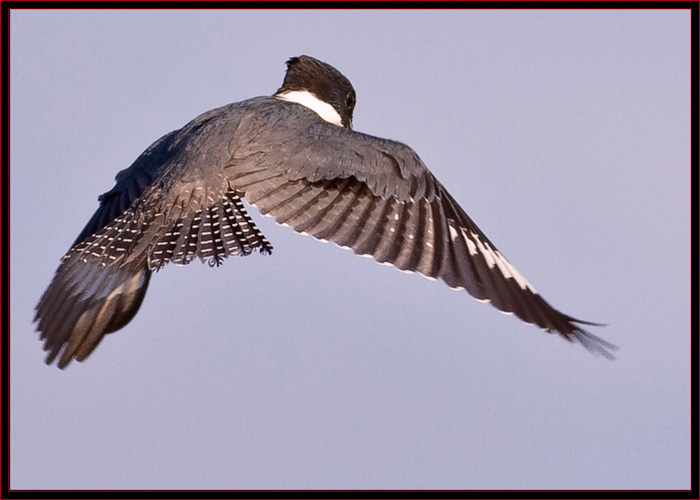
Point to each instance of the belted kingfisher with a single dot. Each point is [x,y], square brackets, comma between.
[295,157]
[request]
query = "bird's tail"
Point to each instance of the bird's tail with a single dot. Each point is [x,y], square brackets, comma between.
[86,300]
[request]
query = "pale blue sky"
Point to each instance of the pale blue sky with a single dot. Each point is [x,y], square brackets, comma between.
[564,134]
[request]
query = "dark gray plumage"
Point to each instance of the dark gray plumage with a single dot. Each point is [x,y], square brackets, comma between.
[182,198]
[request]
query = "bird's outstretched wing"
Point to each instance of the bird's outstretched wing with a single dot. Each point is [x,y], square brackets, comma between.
[164,208]
[376,197]
[182,198]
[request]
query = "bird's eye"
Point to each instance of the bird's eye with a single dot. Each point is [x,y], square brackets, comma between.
[350,100]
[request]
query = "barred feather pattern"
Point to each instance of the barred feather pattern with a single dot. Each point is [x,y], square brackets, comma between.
[101,283]
[211,233]
[433,237]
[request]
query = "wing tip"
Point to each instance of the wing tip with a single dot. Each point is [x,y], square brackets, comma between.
[593,343]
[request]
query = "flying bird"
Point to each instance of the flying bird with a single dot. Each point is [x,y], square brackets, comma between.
[294,156]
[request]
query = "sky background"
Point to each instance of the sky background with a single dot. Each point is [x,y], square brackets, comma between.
[565,136]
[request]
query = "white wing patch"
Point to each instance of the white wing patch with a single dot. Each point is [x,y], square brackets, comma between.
[493,257]
[321,108]
[515,274]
